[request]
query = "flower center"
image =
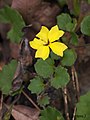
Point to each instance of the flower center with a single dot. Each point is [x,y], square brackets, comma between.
[46,44]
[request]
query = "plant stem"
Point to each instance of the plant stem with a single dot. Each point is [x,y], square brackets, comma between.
[66,102]
[31,101]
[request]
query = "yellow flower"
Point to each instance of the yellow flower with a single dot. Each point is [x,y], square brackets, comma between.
[45,40]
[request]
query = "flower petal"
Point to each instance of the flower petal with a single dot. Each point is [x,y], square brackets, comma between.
[42,52]
[54,34]
[36,43]
[43,34]
[58,48]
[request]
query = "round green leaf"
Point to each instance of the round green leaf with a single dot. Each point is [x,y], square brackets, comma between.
[61,77]
[65,40]
[85,25]
[83,108]
[74,39]
[69,26]
[54,56]
[50,61]
[36,85]
[63,20]
[69,57]
[43,101]
[44,68]
[6,76]
[13,17]
[51,114]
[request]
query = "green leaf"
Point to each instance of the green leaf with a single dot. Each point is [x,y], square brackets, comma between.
[51,114]
[83,108]
[74,39]
[62,2]
[85,25]
[65,22]
[69,57]
[11,16]
[61,77]
[88,1]
[44,68]
[69,27]
[50,61]
[76,6]
[43,101]
[6,76]
[54,56]
[36,85]
[65,40]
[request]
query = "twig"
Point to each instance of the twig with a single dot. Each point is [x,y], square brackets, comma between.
[73,79]
[68,96]
[76,87]
[9,107]
[66,103]
[74,113]
[75,82]
[16,99]
[31,101]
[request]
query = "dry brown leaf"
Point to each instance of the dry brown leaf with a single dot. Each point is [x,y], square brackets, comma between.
[70,5]
[46,15]
[25,7]
[21,112]
[81,50]
[14,50]
[4,28]
[37,13]
[85,7]
[5,2]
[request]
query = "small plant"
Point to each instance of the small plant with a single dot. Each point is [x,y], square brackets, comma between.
[51,66]
[49,74]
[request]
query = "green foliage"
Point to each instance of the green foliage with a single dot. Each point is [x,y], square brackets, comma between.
[43,101]
[76,5]
[54,56]
[83,108]
[36,85]
[44,68]
[65,22]
[69,58]
[50,61]
[11,16]
[6,76]
[74,39]
[61,2]
[85,25]
[88,1]
[65,40]
[51,114]
[61,77]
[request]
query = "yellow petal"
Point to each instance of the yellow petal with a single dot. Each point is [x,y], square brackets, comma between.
[58,48]
[43,34]
[54,34]
[36,43]
[42,52]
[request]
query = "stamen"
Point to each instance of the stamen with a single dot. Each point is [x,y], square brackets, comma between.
[46,44]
